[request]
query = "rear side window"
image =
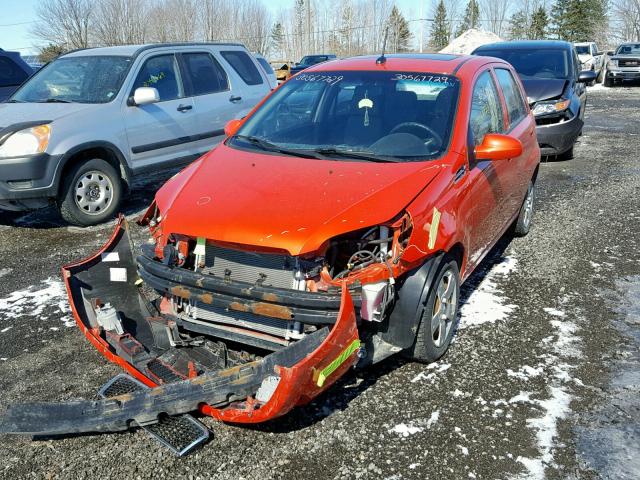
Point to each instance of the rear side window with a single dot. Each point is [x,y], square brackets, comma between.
[265,65]
[244,66]
[486,111]
[513,98]
[205,73]
[10,73]
[161,73]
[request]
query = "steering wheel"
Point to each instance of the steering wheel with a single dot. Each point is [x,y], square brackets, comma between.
[413,127]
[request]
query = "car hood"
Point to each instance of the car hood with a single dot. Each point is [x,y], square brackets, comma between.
[285,202]
[543,89]
[11,113]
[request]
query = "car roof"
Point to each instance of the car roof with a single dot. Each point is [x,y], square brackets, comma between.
[134,50]
[410,62]
[524,44]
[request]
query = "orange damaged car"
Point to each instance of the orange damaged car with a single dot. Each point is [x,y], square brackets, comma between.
[331,229]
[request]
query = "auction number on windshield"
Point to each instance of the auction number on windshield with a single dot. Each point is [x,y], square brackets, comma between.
[308,77]
[415,77]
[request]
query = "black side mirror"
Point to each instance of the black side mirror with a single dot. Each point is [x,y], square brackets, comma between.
[610,52]
[587,76]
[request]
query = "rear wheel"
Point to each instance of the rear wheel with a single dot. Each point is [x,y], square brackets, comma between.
[439,317]
[522,224]
[91,193]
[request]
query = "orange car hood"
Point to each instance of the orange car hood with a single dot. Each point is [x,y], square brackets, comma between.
[285,202]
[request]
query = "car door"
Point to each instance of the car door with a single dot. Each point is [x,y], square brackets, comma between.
[214,102]
[579,88]
[161,132]
[521,126]
[248,84]
[486,184]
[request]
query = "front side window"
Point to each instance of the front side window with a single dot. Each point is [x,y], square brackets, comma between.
[244,66]
[90,79]
[515,105]
[399,116]
[10,73]
[486,110]
[535,63]
[206,74]
[265,65]
[161,72]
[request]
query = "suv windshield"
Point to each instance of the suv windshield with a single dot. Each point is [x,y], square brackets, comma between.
[543,63]
[629,49]
[377,116]
[95,79]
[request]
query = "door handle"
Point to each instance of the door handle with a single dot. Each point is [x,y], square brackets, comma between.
[184,108]
[233,99]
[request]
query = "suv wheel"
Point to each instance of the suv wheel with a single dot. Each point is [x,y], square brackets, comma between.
[91,193]
[439,315]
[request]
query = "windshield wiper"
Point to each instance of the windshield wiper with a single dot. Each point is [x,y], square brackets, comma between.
[14,101]
[272,147]
[369,157]
[54,100]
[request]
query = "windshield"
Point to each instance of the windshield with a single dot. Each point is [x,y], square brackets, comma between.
[94,79]
[629,49]
[534,63]
[312,60]
[582,49]
[392,116]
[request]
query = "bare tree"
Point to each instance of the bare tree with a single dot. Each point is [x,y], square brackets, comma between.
[625,20]
[64,22]
[121,22]
[496,13]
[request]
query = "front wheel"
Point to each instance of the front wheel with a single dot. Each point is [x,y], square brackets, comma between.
[91,193]
[608,82]
[439,318]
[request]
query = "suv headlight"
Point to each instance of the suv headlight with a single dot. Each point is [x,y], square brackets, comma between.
[545,108]
[26,142]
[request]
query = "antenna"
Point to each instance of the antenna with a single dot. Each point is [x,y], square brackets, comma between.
[381,59]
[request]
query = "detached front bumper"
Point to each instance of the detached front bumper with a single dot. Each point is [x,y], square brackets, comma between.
[185,378]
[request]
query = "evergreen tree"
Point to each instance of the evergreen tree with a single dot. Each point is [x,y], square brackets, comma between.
[277,39]
[50,52]
[559,18]
[471,17]
[518,26]
[578,20]
[538,25]
[440,32]
[399,34]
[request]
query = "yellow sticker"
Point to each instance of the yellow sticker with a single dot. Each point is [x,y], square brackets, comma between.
[433,231]
[340,359]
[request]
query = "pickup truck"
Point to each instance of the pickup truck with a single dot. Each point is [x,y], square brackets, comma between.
[591,58]
[624,64]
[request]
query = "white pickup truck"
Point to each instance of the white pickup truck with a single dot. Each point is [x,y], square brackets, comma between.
[591,58]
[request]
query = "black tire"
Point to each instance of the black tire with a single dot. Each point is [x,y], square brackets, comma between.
[522,225]
[567,155]
[426,348]
[608,82]
[97,175]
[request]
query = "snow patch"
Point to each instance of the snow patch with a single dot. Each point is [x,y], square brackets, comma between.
[469,41]
[5,271]
[37,302]
[554,312]
[405,430]
[431,376]
[525,372]
[433,419]
[486,303]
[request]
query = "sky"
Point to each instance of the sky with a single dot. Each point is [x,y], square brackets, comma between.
[17,18]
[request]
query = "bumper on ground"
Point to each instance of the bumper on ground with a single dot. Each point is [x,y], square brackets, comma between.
[557,138]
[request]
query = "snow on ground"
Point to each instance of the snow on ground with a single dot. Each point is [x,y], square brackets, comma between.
[4,272]
[37,302]
[469,41]
[405,430]
[485,302]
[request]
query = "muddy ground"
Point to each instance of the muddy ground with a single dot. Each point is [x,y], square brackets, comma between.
[542,380]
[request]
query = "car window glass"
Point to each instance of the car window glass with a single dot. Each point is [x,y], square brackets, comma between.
[265,65]
[512,96]
[10,73]
[629,49]
[206,74]
[161,73]
[81,79]
[486,111]
[534,63]
[244,66]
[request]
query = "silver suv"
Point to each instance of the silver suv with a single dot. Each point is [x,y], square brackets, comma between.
[78,130]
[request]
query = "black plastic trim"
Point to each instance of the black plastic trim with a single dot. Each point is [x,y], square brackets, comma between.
[176,141]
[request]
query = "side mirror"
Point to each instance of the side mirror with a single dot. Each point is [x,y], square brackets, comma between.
[587,76]
[610,52]
[145,96]
[496,146]
[232,127]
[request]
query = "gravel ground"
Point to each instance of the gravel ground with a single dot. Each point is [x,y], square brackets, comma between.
[541,382]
